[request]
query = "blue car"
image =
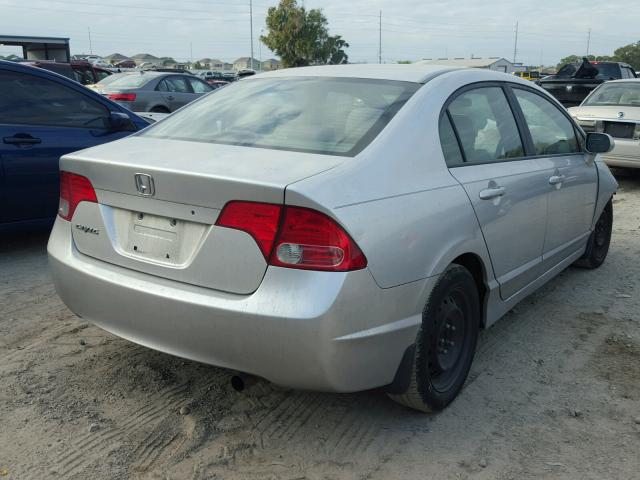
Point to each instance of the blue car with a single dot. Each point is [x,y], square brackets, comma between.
[43,116]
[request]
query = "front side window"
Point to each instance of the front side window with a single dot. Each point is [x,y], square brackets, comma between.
[486,126]
[21,103]
[334,116]
[552,132]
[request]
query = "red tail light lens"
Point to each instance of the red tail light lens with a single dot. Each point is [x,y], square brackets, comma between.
[122,97]
[260,220]
[73,190]
[295,237]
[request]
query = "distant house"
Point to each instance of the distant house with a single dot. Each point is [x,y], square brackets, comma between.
[244,63]
[115,58]
[147,58]
[271,64]
[493,63]
[212,64]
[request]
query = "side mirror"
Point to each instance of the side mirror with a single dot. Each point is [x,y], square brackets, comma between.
[121,122]
[599,143]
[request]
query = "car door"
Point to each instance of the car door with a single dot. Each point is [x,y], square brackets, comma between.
[572,177]
[507,190]
[179,91]
[40,120]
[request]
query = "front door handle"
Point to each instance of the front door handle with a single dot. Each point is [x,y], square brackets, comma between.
[556,179]
[492,192]
[21,139]
[170,97]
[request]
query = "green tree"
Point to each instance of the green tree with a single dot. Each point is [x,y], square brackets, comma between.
[197,66]
[300,37]
[404,62]
[629,54]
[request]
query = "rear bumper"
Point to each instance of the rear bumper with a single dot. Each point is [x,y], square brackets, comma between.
[626,153]
[313,330]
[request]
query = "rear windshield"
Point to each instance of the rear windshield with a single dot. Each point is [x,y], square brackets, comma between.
[112,78]
[622,93]
[334,116]
[131,81]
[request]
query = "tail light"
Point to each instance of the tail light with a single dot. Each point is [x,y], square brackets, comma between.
[295,237]
[73,190]
[122,97]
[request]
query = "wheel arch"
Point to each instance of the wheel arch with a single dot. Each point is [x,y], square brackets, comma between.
[476,267]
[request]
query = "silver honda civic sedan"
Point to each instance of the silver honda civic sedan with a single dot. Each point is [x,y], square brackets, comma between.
[334,228]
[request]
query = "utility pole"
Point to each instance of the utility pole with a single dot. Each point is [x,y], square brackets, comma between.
[260,50]
[191,53]
[380,39]
[588,41]
[90,46]
[251,27]
[515,45]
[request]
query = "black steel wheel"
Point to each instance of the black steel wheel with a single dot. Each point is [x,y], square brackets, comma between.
[445,344]
[599,241]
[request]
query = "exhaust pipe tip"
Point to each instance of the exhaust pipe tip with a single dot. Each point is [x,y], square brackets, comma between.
[242,381]
[237,383]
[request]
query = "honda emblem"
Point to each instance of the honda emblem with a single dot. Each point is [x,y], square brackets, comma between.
[144,184]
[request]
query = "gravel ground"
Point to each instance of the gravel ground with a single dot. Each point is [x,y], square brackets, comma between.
[554,392]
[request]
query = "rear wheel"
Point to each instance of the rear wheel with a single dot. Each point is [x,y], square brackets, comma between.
[159,109]
[598,244]
[445,344]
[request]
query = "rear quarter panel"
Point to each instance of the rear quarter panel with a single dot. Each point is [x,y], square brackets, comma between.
[397,198]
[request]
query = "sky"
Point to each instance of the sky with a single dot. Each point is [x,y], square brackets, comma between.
[411,29]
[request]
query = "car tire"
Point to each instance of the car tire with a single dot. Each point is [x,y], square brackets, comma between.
[160,110]
[599,240]
[445,344]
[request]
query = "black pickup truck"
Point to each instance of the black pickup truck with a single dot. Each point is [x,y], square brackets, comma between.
[574,81]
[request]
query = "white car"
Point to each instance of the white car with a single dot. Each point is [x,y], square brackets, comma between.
[614,108]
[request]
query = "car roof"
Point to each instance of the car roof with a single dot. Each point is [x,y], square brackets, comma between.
[401,72]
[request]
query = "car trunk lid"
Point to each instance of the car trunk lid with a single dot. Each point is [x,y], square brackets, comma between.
[158,201]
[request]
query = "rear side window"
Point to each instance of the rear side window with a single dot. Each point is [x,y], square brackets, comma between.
[199,86]
[449,142]
[552,133]
[177,85]
[486,126]
[333,116]
[21,103]
[102,74]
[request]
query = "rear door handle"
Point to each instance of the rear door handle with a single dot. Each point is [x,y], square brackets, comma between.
[492,192]
[170,97]
[556,179]
[21,139]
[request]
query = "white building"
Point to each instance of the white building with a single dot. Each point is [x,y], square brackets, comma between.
[493,63]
